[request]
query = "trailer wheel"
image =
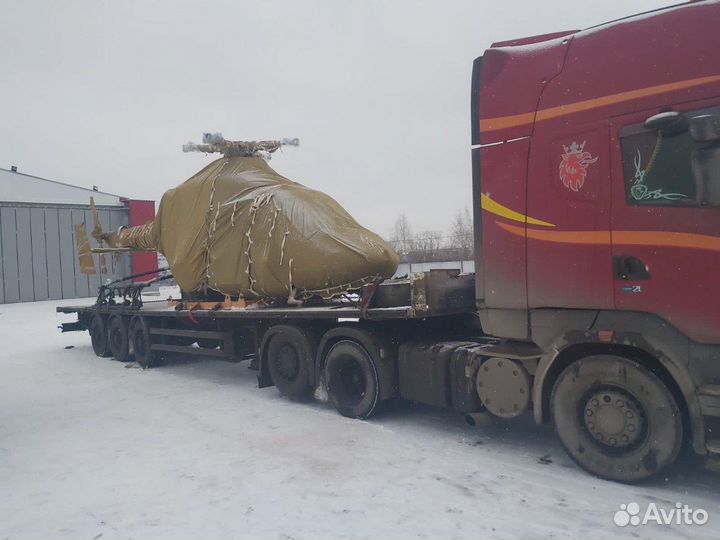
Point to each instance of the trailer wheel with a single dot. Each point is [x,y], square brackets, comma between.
[141,343]
[616,418]
[289,357]
[118,338]
[352,380]
[99,336]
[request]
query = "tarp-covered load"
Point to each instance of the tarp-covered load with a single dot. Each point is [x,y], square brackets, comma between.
[241,228]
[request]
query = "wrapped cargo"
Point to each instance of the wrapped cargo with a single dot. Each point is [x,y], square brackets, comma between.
[240,228]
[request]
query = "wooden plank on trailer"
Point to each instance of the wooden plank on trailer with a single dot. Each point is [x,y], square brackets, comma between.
[39,253]
[93,279]
[9,262]
[104,216]
[52,253]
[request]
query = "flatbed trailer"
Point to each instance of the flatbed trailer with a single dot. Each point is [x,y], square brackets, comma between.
[352,345]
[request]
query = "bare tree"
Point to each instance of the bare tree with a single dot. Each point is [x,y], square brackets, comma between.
[402,239]
[461,233]
[432,245]
[428,245]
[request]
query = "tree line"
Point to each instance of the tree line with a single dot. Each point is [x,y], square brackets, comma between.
[432,245]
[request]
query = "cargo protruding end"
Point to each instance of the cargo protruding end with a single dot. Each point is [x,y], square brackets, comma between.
[137,238]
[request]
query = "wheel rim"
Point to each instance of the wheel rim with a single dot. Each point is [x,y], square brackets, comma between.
[349,382]
[614,418]
[287,362]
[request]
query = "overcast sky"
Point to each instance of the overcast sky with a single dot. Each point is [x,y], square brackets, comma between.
[106,92]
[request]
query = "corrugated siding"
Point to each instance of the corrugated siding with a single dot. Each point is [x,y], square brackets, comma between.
[38,260]
[8,235]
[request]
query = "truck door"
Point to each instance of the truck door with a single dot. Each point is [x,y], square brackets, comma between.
[569,257]
[665,239]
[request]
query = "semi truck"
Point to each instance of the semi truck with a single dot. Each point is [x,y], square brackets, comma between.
[594,304]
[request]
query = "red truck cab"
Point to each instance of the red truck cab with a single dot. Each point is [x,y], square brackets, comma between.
[596,174]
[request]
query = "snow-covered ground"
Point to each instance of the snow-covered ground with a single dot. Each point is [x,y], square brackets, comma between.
[93,448]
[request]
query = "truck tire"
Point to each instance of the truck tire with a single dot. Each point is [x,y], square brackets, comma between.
[118,338]
[289,360]
[616,418]
[351,379]
[141,343]
[99,336]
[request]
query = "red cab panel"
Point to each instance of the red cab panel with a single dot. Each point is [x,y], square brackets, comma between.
[503,172]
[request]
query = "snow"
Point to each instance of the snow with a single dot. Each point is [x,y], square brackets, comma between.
[93,448]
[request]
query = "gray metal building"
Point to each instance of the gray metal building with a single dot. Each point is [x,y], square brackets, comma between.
[37,237]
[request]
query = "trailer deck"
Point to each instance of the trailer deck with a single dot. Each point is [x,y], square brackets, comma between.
[329,311]
[122,322]
[434,293]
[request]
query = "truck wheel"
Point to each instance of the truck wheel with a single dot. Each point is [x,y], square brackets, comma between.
[118,338]
[141,343]
[352,380]
[616,418]
[99,336]
[289,357]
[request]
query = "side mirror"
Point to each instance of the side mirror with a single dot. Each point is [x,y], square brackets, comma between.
[671,123]
[705,159]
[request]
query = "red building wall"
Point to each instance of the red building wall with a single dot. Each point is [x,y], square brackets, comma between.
[142,261]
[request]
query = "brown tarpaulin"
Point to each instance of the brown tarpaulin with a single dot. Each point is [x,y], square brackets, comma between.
[239,227]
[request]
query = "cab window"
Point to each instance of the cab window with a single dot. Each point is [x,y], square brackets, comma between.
[656,168]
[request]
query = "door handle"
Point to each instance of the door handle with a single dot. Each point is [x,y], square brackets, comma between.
[629,268]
